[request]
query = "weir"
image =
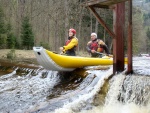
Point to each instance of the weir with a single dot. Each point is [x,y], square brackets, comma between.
[38,90]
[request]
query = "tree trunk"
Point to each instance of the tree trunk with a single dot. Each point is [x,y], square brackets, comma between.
[66,19]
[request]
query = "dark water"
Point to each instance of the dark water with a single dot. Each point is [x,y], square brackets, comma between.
[28,88]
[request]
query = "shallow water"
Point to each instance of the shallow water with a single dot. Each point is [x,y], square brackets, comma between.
[31,89]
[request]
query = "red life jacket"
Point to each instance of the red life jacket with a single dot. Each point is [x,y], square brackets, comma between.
[68,41]
[95,46]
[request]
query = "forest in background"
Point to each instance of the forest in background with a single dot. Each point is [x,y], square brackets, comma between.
[28,23]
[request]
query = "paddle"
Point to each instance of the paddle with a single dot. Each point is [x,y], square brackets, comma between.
[61,53]
[100,54]
[55,52]
[103,54]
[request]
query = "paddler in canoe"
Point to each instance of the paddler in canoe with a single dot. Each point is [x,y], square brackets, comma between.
[71,44]
[97,47]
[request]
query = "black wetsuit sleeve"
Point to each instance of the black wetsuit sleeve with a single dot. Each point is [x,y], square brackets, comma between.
[106,49]
[88,49]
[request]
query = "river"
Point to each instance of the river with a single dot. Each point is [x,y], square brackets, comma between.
[29,88]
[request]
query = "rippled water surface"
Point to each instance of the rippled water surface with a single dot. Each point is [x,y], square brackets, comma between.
[30,88]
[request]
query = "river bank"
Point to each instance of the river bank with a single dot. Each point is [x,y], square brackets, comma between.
[18,58]
[20,54]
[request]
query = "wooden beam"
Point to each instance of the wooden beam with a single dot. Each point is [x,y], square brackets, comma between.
[101,21]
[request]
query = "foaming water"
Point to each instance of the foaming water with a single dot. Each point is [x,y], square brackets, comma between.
[118,108]
[40,90]
[21,89]
[89,90]
[134,101]
[141,65]
[128,93]
[87,99]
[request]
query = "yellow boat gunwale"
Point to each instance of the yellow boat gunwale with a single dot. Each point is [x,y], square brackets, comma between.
[76,61]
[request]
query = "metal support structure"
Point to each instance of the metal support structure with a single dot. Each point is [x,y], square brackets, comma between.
[130,70]
[102,3]
[101,21]
[118,34]
[118,41]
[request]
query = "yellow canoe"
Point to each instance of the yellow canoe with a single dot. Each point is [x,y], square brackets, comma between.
[53,61]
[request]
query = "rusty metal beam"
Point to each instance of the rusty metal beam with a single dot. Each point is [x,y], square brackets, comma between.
[118,36]
[118,41]
[103,2]
[130,70]
[100,6]
[101,21]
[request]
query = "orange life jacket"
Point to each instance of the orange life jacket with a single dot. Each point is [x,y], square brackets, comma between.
[100,49]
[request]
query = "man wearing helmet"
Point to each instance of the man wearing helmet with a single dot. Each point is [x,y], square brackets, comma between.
[96,46]
[71,43]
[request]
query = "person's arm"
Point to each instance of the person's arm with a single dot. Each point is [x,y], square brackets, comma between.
[101,43]
[74,42]
[88,48]
[106,49]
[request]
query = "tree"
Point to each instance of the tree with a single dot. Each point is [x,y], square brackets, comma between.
[3,36]
[51,19]
[27,34]
[148,33]
[11,39]
[148,40]
[139,36]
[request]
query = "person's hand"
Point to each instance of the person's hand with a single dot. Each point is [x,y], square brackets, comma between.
[93,51]
[61,48]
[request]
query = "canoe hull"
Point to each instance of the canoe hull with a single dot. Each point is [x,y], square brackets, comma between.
[44,60]
[52,61]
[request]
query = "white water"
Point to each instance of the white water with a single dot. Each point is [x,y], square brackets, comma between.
[82,100]
[19,93]
[112,105]
[24,92]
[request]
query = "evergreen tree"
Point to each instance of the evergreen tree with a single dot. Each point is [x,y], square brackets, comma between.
[148,33]
[11,39]
[2,22]
[27,34]
[148,40]
[3,36]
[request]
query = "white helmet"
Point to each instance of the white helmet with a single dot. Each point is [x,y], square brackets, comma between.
[94,34]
